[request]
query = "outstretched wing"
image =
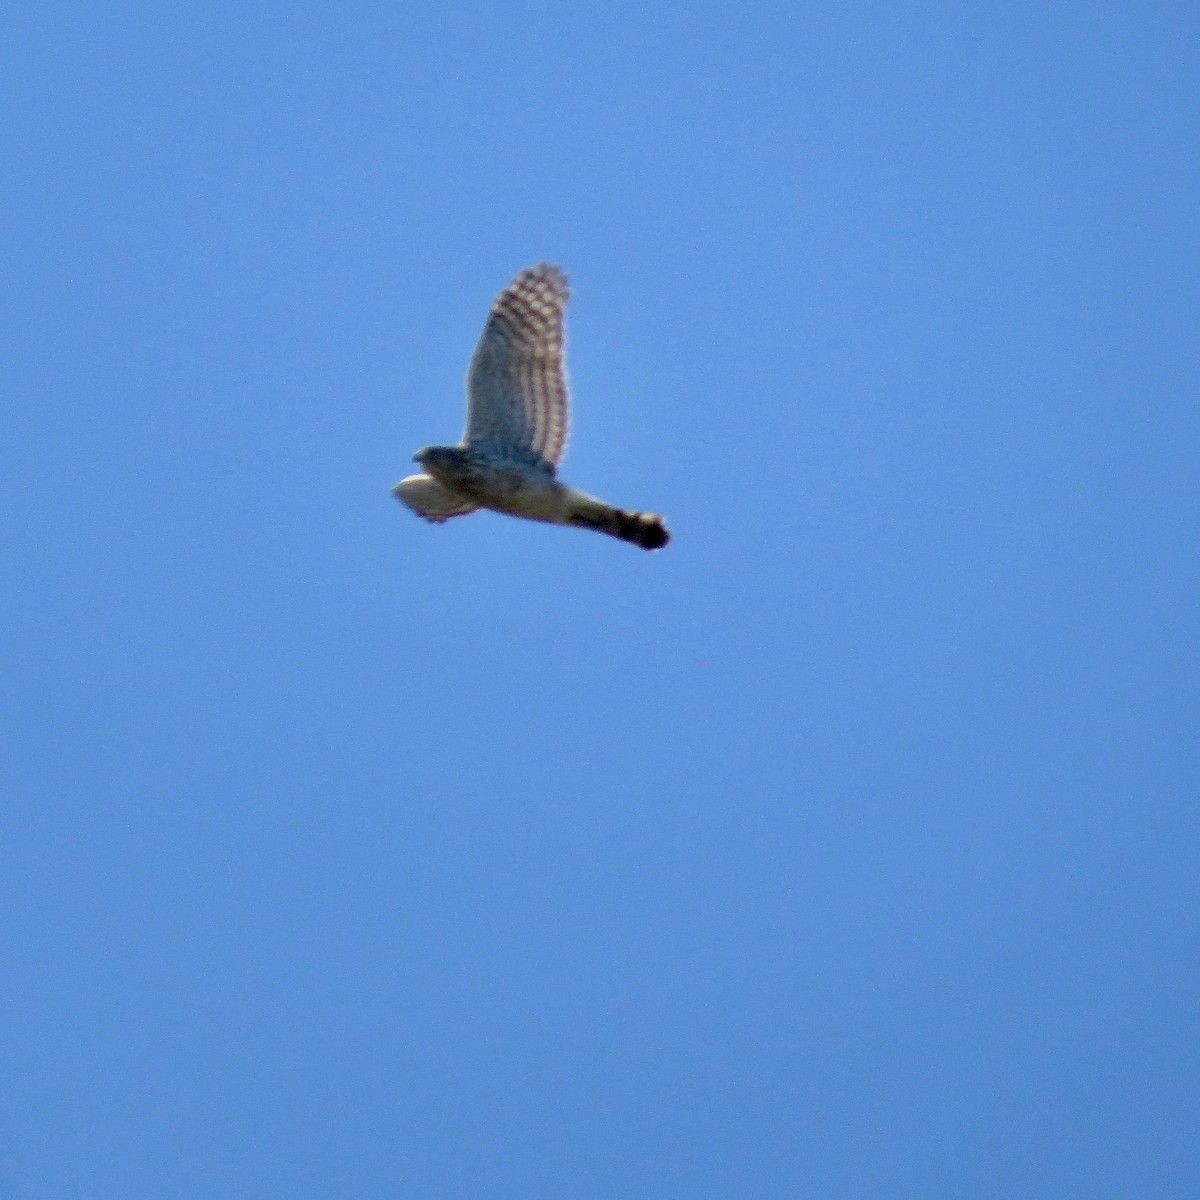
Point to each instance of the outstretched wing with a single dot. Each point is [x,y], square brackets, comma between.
[517,400]
[429,499]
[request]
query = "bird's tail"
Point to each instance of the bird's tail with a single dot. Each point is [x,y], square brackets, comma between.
[647,530]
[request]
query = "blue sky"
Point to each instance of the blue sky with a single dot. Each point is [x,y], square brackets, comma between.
[846,848]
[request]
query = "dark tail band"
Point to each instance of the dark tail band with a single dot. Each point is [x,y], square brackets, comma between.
[642,529]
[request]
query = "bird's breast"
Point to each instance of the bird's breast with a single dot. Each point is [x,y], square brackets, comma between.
[522,492]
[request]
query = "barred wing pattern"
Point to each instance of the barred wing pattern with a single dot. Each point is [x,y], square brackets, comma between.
[517,400]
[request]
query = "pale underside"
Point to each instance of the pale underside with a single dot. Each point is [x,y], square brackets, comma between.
[429,499]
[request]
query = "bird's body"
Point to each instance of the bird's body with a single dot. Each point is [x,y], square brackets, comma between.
[517,415]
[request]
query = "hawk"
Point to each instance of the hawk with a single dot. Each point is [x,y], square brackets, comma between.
[517,412]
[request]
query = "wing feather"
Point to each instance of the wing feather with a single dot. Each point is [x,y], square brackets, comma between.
[429,499]
[517,397]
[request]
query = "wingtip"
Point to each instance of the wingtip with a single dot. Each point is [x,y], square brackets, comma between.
[552,274]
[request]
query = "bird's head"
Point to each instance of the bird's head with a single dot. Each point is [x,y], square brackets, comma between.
[439,459]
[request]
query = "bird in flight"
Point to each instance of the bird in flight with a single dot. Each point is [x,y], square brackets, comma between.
[517,414]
